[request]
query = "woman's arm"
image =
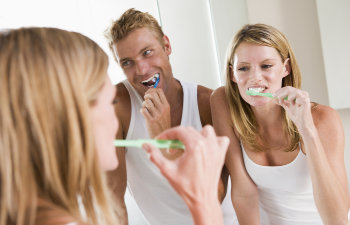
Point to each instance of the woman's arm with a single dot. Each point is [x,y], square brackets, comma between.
[244,192]
[323,142]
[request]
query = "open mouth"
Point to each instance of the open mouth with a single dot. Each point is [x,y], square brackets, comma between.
[152,81]
[257,89]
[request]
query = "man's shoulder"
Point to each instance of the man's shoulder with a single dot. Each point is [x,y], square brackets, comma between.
[203,94]
[122,95]
[203,98]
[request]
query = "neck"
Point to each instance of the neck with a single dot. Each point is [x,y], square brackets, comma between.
[268,116]
[174,93]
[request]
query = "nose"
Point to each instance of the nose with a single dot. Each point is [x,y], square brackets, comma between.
[141,67]
[255,73]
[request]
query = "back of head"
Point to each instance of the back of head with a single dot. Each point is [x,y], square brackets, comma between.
[131,20]
[241,113]
[48,80]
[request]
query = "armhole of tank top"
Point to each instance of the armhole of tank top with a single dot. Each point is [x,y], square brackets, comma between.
[196,109]
[192,92]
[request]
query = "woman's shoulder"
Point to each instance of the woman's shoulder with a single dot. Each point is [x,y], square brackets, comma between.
[218,95]
[326,118]
[323,112]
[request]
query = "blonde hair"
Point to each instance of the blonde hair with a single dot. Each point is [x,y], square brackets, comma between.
[131,20]
[241,113]
[49,78]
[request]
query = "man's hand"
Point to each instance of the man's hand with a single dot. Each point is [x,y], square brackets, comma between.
[156,110]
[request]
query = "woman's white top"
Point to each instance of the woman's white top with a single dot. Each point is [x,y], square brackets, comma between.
[285,192]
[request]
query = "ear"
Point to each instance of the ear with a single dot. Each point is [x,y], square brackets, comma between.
[230,70]
[286,67]
[167,46]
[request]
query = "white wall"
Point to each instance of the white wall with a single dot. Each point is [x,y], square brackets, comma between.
[189,27]
[334,20]
[227,18]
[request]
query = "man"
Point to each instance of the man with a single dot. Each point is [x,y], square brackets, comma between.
[150,101]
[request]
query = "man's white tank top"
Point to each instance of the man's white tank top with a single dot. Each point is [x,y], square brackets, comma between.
[157,200]
[285,192]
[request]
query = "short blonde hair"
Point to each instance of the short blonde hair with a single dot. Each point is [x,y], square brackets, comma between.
[241,113]
[131,20]
[49,78]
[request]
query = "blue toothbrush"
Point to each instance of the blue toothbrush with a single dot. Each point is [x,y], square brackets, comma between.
[156,84]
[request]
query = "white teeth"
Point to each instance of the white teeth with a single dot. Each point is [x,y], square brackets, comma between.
[154,78]
[260,89]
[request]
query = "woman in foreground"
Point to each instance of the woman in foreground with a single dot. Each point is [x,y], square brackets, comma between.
[57,126]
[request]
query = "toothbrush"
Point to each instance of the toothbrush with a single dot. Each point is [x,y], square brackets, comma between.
[158,143]
[255,93]
[157,81]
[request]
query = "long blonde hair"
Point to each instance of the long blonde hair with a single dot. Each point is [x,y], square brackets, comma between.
[48,80]
[241,113]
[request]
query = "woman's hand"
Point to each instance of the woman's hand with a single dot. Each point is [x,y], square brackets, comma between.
[195,174]
[297,104]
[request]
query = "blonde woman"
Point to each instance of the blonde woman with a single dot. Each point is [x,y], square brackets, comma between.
[57,126]
[286,155]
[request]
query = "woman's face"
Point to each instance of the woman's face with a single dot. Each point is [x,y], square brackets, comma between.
[105,125]
[259,68]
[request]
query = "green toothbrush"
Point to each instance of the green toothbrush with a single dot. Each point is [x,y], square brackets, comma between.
[255,93]
[158,143]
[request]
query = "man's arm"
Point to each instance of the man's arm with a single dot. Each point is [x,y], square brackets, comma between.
[117,179]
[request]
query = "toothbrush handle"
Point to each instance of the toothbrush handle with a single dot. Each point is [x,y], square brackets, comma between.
[157,143]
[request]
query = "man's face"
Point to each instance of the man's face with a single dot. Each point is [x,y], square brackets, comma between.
[144,59]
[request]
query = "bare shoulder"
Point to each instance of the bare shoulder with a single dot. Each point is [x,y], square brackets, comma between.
[203,98]
[329,126]
[325,117]
[218,96]
[123,107]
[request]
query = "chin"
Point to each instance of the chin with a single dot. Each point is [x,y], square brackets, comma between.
[110,163]
[257,101]
[110,166]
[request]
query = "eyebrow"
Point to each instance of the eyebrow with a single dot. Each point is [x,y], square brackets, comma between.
[260,62]
[140,52]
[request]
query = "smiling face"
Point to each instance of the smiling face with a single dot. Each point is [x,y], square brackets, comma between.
[105,124]
[144,59]
[259,68]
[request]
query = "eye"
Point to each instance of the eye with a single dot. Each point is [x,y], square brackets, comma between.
[266,66]
[243,68]
[147,52]
[115,101]
[125,63]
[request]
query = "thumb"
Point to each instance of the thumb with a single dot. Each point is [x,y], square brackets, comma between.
[223,142]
